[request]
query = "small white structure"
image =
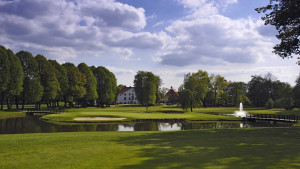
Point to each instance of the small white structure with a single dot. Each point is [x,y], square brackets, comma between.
[127,96]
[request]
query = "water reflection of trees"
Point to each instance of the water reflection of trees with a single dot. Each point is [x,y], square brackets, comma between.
[146,126]
[210,125]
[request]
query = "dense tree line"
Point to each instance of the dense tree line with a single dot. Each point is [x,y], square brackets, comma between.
[25,79]
[202,89]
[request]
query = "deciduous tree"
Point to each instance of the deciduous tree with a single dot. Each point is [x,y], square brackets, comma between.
[285,16]
[90,86]
[76,81]
[32,88]
[106,86]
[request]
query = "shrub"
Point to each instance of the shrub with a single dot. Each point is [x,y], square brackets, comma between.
[269,104]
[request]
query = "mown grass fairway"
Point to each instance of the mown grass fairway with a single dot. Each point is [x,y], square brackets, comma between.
[226,148]
[160,112]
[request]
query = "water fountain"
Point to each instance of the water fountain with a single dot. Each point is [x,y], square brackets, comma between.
[240,113]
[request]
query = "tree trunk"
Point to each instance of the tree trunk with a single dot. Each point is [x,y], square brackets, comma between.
[2,97]
[8,106]
[17,102]
[191,105]
[57,103]
[23,101]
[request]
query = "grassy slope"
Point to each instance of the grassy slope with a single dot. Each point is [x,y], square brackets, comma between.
[228,148]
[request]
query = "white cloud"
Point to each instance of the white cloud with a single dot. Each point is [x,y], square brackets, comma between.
[81,25]
[214,39]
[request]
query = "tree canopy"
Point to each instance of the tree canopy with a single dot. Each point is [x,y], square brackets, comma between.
[106,85]
[91,83]
[285,16]
[146,87]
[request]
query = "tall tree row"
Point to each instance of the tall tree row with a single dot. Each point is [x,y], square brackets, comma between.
[35,80]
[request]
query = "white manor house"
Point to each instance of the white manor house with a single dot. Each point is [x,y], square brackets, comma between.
[127,96]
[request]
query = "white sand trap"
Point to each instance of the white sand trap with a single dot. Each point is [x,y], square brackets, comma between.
[98,118]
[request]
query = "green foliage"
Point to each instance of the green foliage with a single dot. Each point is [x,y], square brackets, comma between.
[32,88]
[296,93]
[146,87]
[62,77]
[269,104]
[76,82]
[216,88]
[91,83]
[106,85]
[284,15]
[4,69]
[195,88]
[235,93]
[48,78]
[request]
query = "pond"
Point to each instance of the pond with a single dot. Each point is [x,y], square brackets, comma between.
[33,124]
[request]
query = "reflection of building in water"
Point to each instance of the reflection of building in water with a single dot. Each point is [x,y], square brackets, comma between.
[171,96]
[127,96]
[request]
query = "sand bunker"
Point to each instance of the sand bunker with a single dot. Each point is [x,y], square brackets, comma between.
[98,118]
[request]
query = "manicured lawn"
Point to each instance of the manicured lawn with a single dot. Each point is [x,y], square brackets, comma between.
[223,148]
[6,114]
[136,112]
[161,112]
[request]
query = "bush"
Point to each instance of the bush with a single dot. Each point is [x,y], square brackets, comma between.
[285,103]
[269,104]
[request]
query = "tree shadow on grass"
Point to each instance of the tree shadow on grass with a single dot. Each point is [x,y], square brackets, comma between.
[238,148]
[172,111]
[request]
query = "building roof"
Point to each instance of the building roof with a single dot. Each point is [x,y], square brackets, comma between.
[125,89]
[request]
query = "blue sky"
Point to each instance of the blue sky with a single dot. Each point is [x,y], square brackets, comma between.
[168,37]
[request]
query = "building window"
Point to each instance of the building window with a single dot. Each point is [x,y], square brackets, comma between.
[124,94]
[128,98]
[129,94]
[124,98]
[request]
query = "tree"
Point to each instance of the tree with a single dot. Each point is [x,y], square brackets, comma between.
[146,87]
[296,93]
[284,15]
[217,85]
[91,84]
[106,86]
[15,85]
[62,77]
[194,88]
[258,92]
[32,88]
[235,93]
[4,73]
[48,79]
[76,83]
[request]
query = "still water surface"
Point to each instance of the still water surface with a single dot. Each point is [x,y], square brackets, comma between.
[33,124]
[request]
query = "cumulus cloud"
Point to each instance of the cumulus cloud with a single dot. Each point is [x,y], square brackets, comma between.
[81,25]
[210,38]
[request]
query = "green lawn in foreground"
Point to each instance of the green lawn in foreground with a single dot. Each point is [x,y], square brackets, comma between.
[223,148]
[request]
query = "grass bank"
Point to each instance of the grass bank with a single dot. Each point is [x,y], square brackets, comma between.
[224,148]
